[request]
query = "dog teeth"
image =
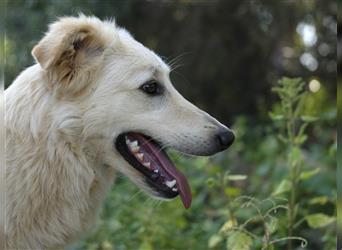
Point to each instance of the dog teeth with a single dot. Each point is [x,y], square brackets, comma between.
[134,144]
[174,189]
[170,184]
[156,170]
[140,156]
[134,149]
[147,164]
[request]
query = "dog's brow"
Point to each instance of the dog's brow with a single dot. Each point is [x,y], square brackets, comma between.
[153,69]
[159,70]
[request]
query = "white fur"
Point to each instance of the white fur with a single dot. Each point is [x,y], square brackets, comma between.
[62,117]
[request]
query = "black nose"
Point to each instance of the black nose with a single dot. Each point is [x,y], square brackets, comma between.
[225,138]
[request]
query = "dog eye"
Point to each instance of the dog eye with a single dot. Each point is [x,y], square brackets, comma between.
[151,87]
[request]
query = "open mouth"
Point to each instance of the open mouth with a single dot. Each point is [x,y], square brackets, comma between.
[148,157]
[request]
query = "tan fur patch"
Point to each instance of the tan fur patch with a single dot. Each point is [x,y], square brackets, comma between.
[70,53]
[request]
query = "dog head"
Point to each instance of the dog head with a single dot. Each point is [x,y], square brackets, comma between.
[125,103]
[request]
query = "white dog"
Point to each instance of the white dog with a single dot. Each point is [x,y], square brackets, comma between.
[97,102]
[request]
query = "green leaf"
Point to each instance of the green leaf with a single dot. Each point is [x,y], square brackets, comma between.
[283,187]
[272,225]
[307,118]
[211,182]
[295,154]
[214,240]
[237,177]
[276,117]
[305,175]
[301,139]
[302,129]
[239,241]
[228,226]
[282,138]
[232,191]
[321,200]
[319,220]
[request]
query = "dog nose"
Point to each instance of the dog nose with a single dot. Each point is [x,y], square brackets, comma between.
[225,138]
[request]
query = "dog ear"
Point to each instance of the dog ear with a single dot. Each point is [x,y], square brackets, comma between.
[71,49]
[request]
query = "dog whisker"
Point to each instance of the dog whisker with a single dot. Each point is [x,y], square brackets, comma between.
[180,74]
[177,58]
[176,66]
[137,193]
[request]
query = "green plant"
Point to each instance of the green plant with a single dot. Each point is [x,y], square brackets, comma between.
[262,223]
[255,232]
[293,126]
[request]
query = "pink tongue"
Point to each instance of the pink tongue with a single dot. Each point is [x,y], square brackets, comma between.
[165,162]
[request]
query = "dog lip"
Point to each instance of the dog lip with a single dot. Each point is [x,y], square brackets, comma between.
[162,175]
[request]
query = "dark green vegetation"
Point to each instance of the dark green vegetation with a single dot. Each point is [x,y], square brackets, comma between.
[275,188]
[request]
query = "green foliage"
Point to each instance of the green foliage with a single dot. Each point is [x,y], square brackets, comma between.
[239,241]
[319,220]
[264,227]
[294,124]
[284,186]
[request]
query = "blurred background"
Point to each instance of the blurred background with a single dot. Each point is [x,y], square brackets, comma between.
[228,56]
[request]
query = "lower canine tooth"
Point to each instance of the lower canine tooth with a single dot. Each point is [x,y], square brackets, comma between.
[140,156]
[147,164]
[174,189]
[170,184]
[156,171]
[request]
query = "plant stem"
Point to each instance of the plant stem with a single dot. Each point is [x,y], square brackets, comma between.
[291,215]
[293,173]
[291,93]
